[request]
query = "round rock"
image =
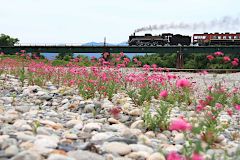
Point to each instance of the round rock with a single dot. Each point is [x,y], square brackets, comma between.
[117,148]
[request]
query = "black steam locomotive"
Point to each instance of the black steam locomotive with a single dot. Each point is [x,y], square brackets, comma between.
[159,40]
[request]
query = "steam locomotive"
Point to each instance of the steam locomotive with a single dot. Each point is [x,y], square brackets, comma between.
[169,39]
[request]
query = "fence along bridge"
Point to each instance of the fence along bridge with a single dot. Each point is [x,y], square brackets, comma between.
[73,48]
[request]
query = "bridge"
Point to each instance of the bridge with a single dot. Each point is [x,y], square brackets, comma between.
[180,50]
[117,49]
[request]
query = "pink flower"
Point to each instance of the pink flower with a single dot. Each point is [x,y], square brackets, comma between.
[218,105]
[237,107]
[121,54]
[200,107]
[180,125]
[126,60]
[164,94]
[23,51]
[146,67]
[236,59]
[210,57]
[182,83]
[230,112]
[226,59]
[218,53]
[135,60]
[174,156]
[204,72]
[154,66]
[234,63]
[209,98]
[118,59]
[197,156]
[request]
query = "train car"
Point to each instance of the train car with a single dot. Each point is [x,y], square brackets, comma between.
[159,40]
[207,39]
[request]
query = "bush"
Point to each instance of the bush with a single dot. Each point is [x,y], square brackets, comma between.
[59,63]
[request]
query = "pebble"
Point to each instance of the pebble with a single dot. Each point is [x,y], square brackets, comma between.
[59,157]
[11,150]
[22,109]
[179,138]
[84,155]
[135,112]
[58,124]
[156,156]
[27,155]
[44,141]
[137,124]
[113,121]
[117,148]
[138,155]
[140,147]
[92,127]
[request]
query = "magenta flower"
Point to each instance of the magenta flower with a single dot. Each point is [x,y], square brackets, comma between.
[226,59]
[210,57]
[237,107]
[218,105]
[197,156]
[209,98]
[121,54]
[180,125]
[174,156]
[200,108]
[182,83]
[234,63]
[236,59]
[230,112]
[218,53]
[164,94]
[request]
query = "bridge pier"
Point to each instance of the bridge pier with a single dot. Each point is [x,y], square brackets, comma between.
[180,60]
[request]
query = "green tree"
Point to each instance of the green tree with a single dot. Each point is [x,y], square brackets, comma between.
[6,40]
[64,56]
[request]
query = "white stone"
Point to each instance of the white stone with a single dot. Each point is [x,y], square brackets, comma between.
[44,141]
[138,155]
[7,100]
[179,138]
[137,124]
[117,148]
[22,109]
[140,147]
[89,127]
[27,155]
[156,156]
[102,136]
[11,150]
[64,101]
[59,157]
[135,112]
[72,123]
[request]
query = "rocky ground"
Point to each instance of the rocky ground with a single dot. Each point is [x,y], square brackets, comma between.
[57,124]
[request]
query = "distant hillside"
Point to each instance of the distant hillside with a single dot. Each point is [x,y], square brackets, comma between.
[51,56]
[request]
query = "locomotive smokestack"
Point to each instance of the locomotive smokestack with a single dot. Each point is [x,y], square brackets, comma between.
[223,23]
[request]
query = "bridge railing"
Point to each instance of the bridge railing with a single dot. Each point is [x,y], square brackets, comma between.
[48,44]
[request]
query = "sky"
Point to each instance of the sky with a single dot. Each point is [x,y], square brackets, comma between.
[81,21]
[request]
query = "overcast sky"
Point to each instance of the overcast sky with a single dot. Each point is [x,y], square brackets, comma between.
[80,21]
